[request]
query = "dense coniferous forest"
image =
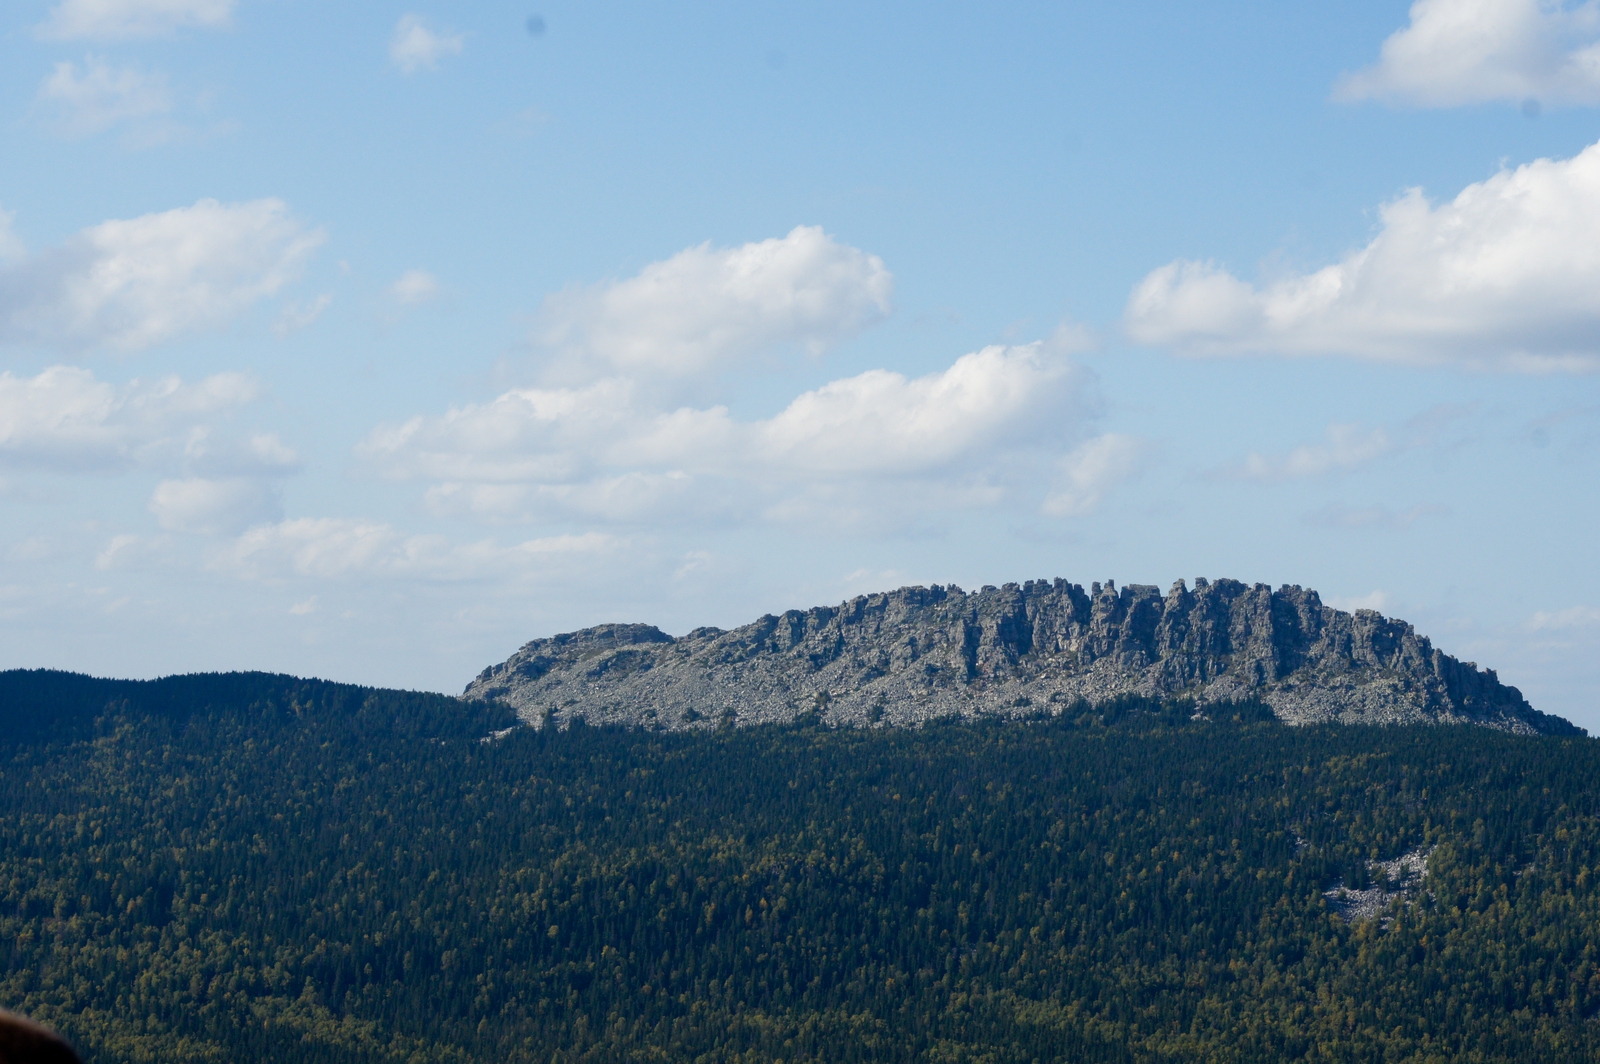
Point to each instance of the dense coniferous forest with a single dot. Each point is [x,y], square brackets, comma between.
[250,867]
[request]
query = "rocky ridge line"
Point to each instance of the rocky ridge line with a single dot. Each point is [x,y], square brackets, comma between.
[924,653]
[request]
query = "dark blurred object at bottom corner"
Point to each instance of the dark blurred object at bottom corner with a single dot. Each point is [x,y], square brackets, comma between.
[24,1042]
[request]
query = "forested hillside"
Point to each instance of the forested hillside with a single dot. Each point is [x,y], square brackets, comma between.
[250,867]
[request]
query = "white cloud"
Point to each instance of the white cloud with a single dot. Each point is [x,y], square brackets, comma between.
[1471,51]
[118,550]
[11,246]
[345,548]
[1090,471]
[71,19]
[1373,600]
[968,435]
[262,455]
[1572,617]
[1347,447]
[1505,276]
[269,453]
[541,435]
[213,507]
[708,308]
[297,316]
[414,286]
[413,46]
[881,423]
[625,432]
[131,283]
[65,420]
[102,96]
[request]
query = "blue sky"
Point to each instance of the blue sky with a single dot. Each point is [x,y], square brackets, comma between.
[371,341]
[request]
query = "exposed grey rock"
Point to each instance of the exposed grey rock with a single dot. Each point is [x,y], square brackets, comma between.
[923,653]
[1398,880]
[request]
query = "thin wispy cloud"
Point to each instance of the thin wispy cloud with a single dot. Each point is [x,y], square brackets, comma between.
[354,549]
[11,245]
[1374,600]
[414,287]
[1344,448]
[1557,620]
[1089,472]
[208,506]
[300,315]
[123,19]
[97,97]
[1338,515]
[415,46]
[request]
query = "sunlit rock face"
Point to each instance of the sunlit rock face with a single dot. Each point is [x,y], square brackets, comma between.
[923,653]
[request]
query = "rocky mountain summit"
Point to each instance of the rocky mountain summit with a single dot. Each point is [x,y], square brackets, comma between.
[923,653]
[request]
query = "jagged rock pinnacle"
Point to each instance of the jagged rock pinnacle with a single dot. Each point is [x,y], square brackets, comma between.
[923,653]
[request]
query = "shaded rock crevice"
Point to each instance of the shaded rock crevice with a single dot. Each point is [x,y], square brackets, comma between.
[923,653]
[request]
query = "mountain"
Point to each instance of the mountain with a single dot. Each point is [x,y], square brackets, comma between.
[925,653]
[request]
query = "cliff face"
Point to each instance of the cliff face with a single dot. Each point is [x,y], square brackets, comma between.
[918,654]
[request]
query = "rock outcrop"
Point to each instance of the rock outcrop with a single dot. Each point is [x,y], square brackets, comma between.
[923,653]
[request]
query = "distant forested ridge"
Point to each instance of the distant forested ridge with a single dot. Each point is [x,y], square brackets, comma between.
[930,653]
[249,867]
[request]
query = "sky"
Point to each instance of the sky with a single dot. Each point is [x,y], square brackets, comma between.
[369,341]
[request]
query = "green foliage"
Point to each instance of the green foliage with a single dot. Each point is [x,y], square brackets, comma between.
[251,867]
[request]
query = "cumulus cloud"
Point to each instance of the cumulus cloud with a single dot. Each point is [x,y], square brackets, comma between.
[1472,51]
[414,46]
[881,423]
[1504,276]
[213,507]
[413,287]
[130,283]
[1089,472]
[101,96]
[118,19]
[625,430]
[708,308]
[65,420]
[346,548]
[969,433]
